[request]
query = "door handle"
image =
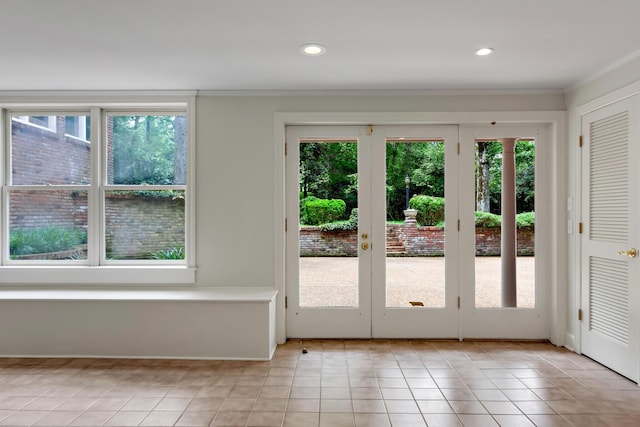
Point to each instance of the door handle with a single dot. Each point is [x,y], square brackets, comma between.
[364,246]
[631,253]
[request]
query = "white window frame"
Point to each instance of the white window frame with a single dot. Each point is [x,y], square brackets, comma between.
[51,125]
[95,269]
[82,129]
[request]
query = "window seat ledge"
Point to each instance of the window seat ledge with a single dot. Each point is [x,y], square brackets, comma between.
[210,293]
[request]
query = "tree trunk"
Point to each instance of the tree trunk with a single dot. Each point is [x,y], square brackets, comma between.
[180,150]
[482,178]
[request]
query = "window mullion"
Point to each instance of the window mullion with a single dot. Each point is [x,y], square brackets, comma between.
[95,206]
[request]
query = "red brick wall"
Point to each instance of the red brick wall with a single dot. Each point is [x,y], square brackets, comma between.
[418,241]
[136,225]
[39,156]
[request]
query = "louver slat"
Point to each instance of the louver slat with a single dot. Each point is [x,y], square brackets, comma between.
[609,298]
[608,183]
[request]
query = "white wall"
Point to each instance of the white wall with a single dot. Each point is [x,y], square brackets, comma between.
[237,209]
[236,166]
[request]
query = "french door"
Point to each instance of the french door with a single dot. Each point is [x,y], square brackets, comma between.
[505,273]
[611,237]
[382,272]
[353,279]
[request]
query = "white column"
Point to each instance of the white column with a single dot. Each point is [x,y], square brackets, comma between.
[508,246]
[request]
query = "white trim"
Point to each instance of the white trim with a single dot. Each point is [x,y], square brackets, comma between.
[605,70]
[575,288]
[555,119]
[153,272]
[90,275]
[92,94]
[391,92]
[201,293]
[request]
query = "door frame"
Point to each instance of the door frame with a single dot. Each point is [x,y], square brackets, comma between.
[629,97]
[554,120]
[532,323]
[573,339]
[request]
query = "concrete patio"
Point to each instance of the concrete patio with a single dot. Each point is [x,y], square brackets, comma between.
[332,281]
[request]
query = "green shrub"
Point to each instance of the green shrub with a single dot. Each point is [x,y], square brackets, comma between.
[350,224]
[526,219]
[487,219]
[304,217]
[45,239]
[169,253]
[321,211]
[430,209]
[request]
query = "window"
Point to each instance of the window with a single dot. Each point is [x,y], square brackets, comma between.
[78,127]
[45,122]
[118,199]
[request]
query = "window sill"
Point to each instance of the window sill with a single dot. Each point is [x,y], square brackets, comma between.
[75,275]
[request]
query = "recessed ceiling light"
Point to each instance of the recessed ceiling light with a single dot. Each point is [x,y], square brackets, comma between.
[484,51]
[313,49]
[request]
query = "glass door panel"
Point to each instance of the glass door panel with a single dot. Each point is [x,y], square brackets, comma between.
[489,261]
[415,244]
[415,287]
[328,264]
[328,269]
[504,288]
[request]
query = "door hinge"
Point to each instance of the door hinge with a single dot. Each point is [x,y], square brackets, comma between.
[370,130]
[286,302]
[580,141]
[286,225]
[458,303]
[458,148]
[458,225]
[579,228]
[285,148]
[580,314]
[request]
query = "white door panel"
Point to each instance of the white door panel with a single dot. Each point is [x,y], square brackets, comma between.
[610,204]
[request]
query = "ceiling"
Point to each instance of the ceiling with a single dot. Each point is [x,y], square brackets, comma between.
[253,45]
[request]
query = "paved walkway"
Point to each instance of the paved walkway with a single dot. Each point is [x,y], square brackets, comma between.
[327,281]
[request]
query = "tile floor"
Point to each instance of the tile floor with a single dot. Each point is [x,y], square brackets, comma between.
[335,383]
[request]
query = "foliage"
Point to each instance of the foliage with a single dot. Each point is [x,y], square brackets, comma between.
[525,175]
[430,209]
[526,219]
[304,216]
[145,149]
[45,239]
[321,211]
[329,171]
[487,219]
[423,163]
[153,194]
[169,253]
[348,225]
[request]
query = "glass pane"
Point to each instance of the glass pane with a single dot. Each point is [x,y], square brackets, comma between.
[490,264]
[415,224]
[144,225]
[48,225]
[40,156]
[146,150]
[328,224]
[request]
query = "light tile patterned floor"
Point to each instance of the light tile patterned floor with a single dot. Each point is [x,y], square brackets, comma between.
[335,383]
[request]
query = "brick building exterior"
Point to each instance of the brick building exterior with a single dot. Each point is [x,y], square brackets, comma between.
[136,225]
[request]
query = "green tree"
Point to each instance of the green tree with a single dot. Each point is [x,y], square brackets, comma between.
[144,150]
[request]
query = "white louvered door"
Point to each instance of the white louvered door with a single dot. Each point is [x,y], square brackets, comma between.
[610,269]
